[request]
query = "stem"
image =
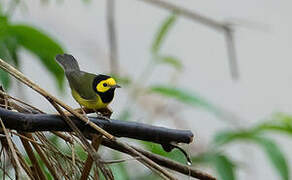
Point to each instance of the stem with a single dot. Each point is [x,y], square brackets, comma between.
[110,18]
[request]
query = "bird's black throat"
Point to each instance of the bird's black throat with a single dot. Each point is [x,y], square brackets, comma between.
[107,96]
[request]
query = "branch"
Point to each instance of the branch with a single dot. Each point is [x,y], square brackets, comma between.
[110,18]
[216,25]
[189,14]
[45,122]
[162,161]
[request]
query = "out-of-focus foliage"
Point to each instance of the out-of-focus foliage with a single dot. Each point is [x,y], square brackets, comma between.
[182,96]
[223,165]
[14,36]
[270,148]
[158,42]
[162,33]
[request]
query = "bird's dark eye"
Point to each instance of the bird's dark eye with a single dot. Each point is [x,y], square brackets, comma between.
[105,84]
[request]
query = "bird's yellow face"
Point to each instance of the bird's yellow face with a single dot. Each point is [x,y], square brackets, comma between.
[106,85]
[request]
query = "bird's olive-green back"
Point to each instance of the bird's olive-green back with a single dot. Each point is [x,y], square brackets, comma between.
[82,82]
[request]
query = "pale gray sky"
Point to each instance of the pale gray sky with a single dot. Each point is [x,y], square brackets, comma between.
[264,56]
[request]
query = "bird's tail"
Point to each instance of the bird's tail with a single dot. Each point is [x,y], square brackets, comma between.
[68,62]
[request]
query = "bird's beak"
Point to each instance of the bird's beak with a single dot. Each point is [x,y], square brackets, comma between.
[115,86]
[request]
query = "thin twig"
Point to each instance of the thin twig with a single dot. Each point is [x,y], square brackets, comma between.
[22,102]
[63,136]
[43,157]
[170,164]
[118,160]
[12,149]
[36,167]
[213,24]
[189,14]
[28,139]
[110,18]
[89,148]
[24,165]
[89,161]
[229,37]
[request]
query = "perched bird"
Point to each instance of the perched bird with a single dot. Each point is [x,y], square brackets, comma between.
[89,90]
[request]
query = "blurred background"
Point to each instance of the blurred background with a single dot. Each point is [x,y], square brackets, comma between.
[174,70]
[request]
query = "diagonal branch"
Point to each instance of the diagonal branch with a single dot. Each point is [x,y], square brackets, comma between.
[170,164]
[189,14]
[209,22]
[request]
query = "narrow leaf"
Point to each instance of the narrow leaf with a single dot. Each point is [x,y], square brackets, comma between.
[157,149]
[278,123]
[4,76]
[170,60]
[225,137]
[162,32]
[182,96]
[276,157]
[224,167]
[42,46]
[12,48]
[4,79]
[272,151]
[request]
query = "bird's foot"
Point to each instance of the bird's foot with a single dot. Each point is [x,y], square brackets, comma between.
[105,113]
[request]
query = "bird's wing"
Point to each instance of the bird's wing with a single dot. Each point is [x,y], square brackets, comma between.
[81,82]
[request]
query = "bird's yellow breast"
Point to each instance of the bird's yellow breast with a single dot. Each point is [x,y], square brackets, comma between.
[90,104]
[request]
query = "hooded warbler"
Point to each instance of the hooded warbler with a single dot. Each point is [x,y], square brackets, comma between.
[89,90]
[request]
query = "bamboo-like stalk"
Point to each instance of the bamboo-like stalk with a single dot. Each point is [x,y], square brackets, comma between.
[43,157]
[25,166]
[89,161]
[36,167]
[10,144]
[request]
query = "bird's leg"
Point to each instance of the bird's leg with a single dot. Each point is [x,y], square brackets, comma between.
[106,112]
[83,110]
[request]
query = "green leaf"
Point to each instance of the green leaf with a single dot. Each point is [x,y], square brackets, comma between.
[125,115]
[12,49]
[223,165]
[162,32]
[170,60]
[80,152]
[272,151]
[276,157]
[157,149]
[1,10]
[225,137]
[4,79]
[278,123]
[42,46]
[4,76]
[183,96]
[119,170]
